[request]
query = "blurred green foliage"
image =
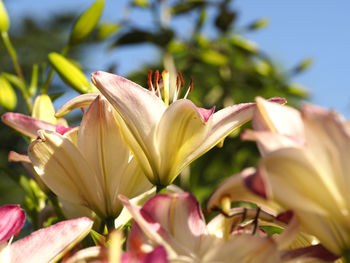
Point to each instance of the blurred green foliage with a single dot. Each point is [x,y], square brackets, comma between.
[225,67]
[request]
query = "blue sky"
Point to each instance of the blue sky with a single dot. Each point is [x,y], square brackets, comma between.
[297,29]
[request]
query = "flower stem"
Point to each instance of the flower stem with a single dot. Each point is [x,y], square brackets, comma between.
[13,54]
[56,206]
[160,189]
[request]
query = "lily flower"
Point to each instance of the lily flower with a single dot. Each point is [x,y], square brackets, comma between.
[95,168]
[177,223]
[305,168]
[167,134]
[45,245]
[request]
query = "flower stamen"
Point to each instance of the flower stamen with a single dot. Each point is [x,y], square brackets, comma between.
[149,81]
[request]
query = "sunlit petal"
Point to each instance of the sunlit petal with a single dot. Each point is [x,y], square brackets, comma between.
[80,101]
[181,130]
[49,244]
[65,171]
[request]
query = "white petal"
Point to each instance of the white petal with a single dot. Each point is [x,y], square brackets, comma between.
[65,171]
[139,108]
[181,130]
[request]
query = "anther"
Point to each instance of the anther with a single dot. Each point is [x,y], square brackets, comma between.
[149,80]
[156,81]
[191,85]
[181,79]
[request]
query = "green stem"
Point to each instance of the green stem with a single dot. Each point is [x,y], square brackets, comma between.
[160,189]
[10,49]
[56,206]
[52,72]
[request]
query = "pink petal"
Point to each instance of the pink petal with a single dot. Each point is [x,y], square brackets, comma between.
[49,244]
[271,116]
[12,218]
[158,255]
[26,124]
[316,252]
[206,113]
[17,157]
[61,129]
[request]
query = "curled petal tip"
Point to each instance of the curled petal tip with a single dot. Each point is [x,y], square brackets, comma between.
[206,113]
[274,99]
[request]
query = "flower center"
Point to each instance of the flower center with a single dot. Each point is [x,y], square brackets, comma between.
[162,87]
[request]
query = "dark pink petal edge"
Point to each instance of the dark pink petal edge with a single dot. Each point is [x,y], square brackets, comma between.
[12,218]
[255,183]
[317,251]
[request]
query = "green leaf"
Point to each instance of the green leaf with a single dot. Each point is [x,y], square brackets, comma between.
[186,6]
[270,230]
[8,97]
[86,23]
[213,57]
[140,3]
[245,44]
[107,29]
[134,37]
[258,24]
[161,38]
[298,90]
[304,64]
[4,19]
[55,96]
[69,73]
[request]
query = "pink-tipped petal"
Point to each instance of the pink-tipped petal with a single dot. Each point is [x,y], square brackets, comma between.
[140,108]
[12,218]
[224,122]
[25,124]
[271,116]
[51,243]
[246,186]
